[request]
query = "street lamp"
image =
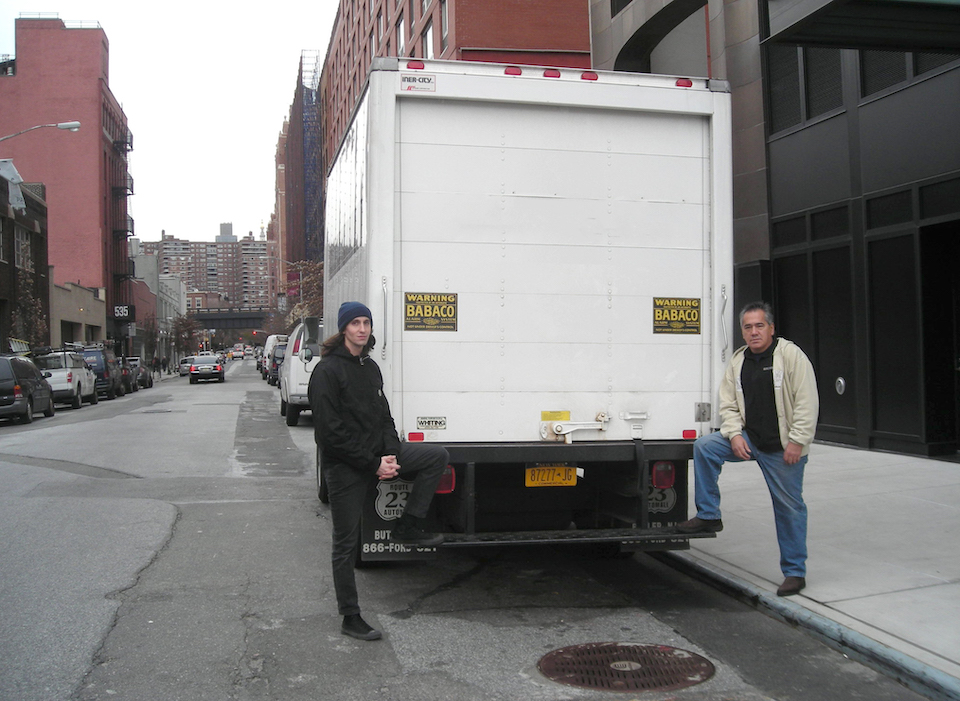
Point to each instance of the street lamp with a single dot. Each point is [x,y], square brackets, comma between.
[9,172]
[69,126]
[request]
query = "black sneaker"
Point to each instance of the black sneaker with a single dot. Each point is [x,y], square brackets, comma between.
[407,532]
[699,525]
[356,627]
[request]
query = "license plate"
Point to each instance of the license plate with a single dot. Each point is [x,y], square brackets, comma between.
[551,476]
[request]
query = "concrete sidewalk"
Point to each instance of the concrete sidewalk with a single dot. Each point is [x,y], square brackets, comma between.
[883,574]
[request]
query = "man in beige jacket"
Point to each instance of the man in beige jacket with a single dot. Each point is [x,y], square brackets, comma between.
[768,413]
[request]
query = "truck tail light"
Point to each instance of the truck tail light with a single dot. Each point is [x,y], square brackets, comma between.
[664,475]
[448,481]
[69,377]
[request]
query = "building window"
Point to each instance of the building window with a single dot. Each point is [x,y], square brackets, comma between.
[443,25]
[3,258]
[617,6]
[783,68]
[822,77]
[428,41]
[401,36]
[22,249]
[379,26]
[802,84]
[925,61]
[880,70]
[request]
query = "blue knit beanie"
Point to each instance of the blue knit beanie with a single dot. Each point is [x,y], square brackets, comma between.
[350,311]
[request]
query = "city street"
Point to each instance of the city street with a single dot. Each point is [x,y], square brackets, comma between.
[169,545]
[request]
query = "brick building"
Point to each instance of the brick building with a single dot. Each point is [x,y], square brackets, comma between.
[535,32]
[61,73]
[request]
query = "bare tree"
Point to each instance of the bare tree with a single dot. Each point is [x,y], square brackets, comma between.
[311,291]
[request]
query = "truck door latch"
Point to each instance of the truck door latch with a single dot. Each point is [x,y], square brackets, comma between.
[562,431]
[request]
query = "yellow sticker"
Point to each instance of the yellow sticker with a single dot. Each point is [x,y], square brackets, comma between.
[554,415]
[676,315]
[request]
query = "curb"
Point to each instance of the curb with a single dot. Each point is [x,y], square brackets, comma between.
[912,673]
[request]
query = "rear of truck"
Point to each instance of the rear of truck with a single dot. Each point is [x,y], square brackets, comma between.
[547,255]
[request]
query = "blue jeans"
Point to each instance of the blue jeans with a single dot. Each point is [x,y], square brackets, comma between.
[784,481]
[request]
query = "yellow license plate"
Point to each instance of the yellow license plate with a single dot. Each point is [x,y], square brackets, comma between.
[551,476]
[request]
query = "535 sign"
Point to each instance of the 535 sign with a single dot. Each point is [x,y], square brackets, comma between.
[124,312]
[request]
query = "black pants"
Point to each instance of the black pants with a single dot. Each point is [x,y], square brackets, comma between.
[349,489]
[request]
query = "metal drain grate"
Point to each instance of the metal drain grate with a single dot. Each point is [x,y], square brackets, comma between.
[625,667]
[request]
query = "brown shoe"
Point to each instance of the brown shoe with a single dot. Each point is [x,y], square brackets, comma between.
[791,586]
[699,525]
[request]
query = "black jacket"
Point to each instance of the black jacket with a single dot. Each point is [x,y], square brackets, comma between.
[351,415]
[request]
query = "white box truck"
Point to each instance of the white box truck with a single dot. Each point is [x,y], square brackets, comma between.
[547,254]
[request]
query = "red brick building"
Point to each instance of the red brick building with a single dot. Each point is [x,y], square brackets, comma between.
[61,73]
[532,32]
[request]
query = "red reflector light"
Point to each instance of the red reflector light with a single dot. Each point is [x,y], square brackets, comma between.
[684,83]
[415,65]
[415,437]
[448,481]
[690,433]
[551,73]
[589,75]
[664,475]
[512,70]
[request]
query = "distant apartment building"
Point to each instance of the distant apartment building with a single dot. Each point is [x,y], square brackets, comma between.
[234,271]
[60,73]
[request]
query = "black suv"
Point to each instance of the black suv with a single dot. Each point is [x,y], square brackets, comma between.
[104,364]
[23,389]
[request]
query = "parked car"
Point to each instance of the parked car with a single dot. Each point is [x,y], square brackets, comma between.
[128,376]
[185,364]
[23,389]
[302,357]
[268,346]
[71,379]
[104,364]
[206,367]
[274,363]
[141,371]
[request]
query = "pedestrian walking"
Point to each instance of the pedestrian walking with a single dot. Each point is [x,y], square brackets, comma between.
[768,413]
[164,364]
[359,445]
[156,365]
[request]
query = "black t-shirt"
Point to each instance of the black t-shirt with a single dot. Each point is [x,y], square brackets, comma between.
[760,422]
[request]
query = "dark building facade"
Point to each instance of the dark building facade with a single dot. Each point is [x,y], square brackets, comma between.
[846,199]
[24,275]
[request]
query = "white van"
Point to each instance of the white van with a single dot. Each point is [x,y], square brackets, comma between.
[303,354]
[268,347]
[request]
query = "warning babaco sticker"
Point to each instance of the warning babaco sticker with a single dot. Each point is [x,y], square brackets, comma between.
[429,311]
[676,315]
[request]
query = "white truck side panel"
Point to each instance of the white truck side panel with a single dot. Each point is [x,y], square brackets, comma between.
[556,213]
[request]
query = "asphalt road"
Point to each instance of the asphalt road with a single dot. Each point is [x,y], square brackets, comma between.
[169,545]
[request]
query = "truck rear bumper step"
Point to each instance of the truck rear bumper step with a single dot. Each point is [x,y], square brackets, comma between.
[600,535]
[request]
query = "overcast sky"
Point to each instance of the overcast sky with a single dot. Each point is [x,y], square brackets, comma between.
[205,86]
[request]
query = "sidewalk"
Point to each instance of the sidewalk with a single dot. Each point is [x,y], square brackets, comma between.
[883,574]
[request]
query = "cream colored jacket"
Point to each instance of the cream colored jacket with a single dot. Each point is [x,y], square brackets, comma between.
[795,391]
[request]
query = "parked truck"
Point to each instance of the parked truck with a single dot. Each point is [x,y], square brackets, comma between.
[547,256]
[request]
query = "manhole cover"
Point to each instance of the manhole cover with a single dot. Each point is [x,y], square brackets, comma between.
[625,667]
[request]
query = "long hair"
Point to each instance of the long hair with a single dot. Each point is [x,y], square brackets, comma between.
[338,339]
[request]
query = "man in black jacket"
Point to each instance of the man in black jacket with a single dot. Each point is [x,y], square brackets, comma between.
[359,446]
